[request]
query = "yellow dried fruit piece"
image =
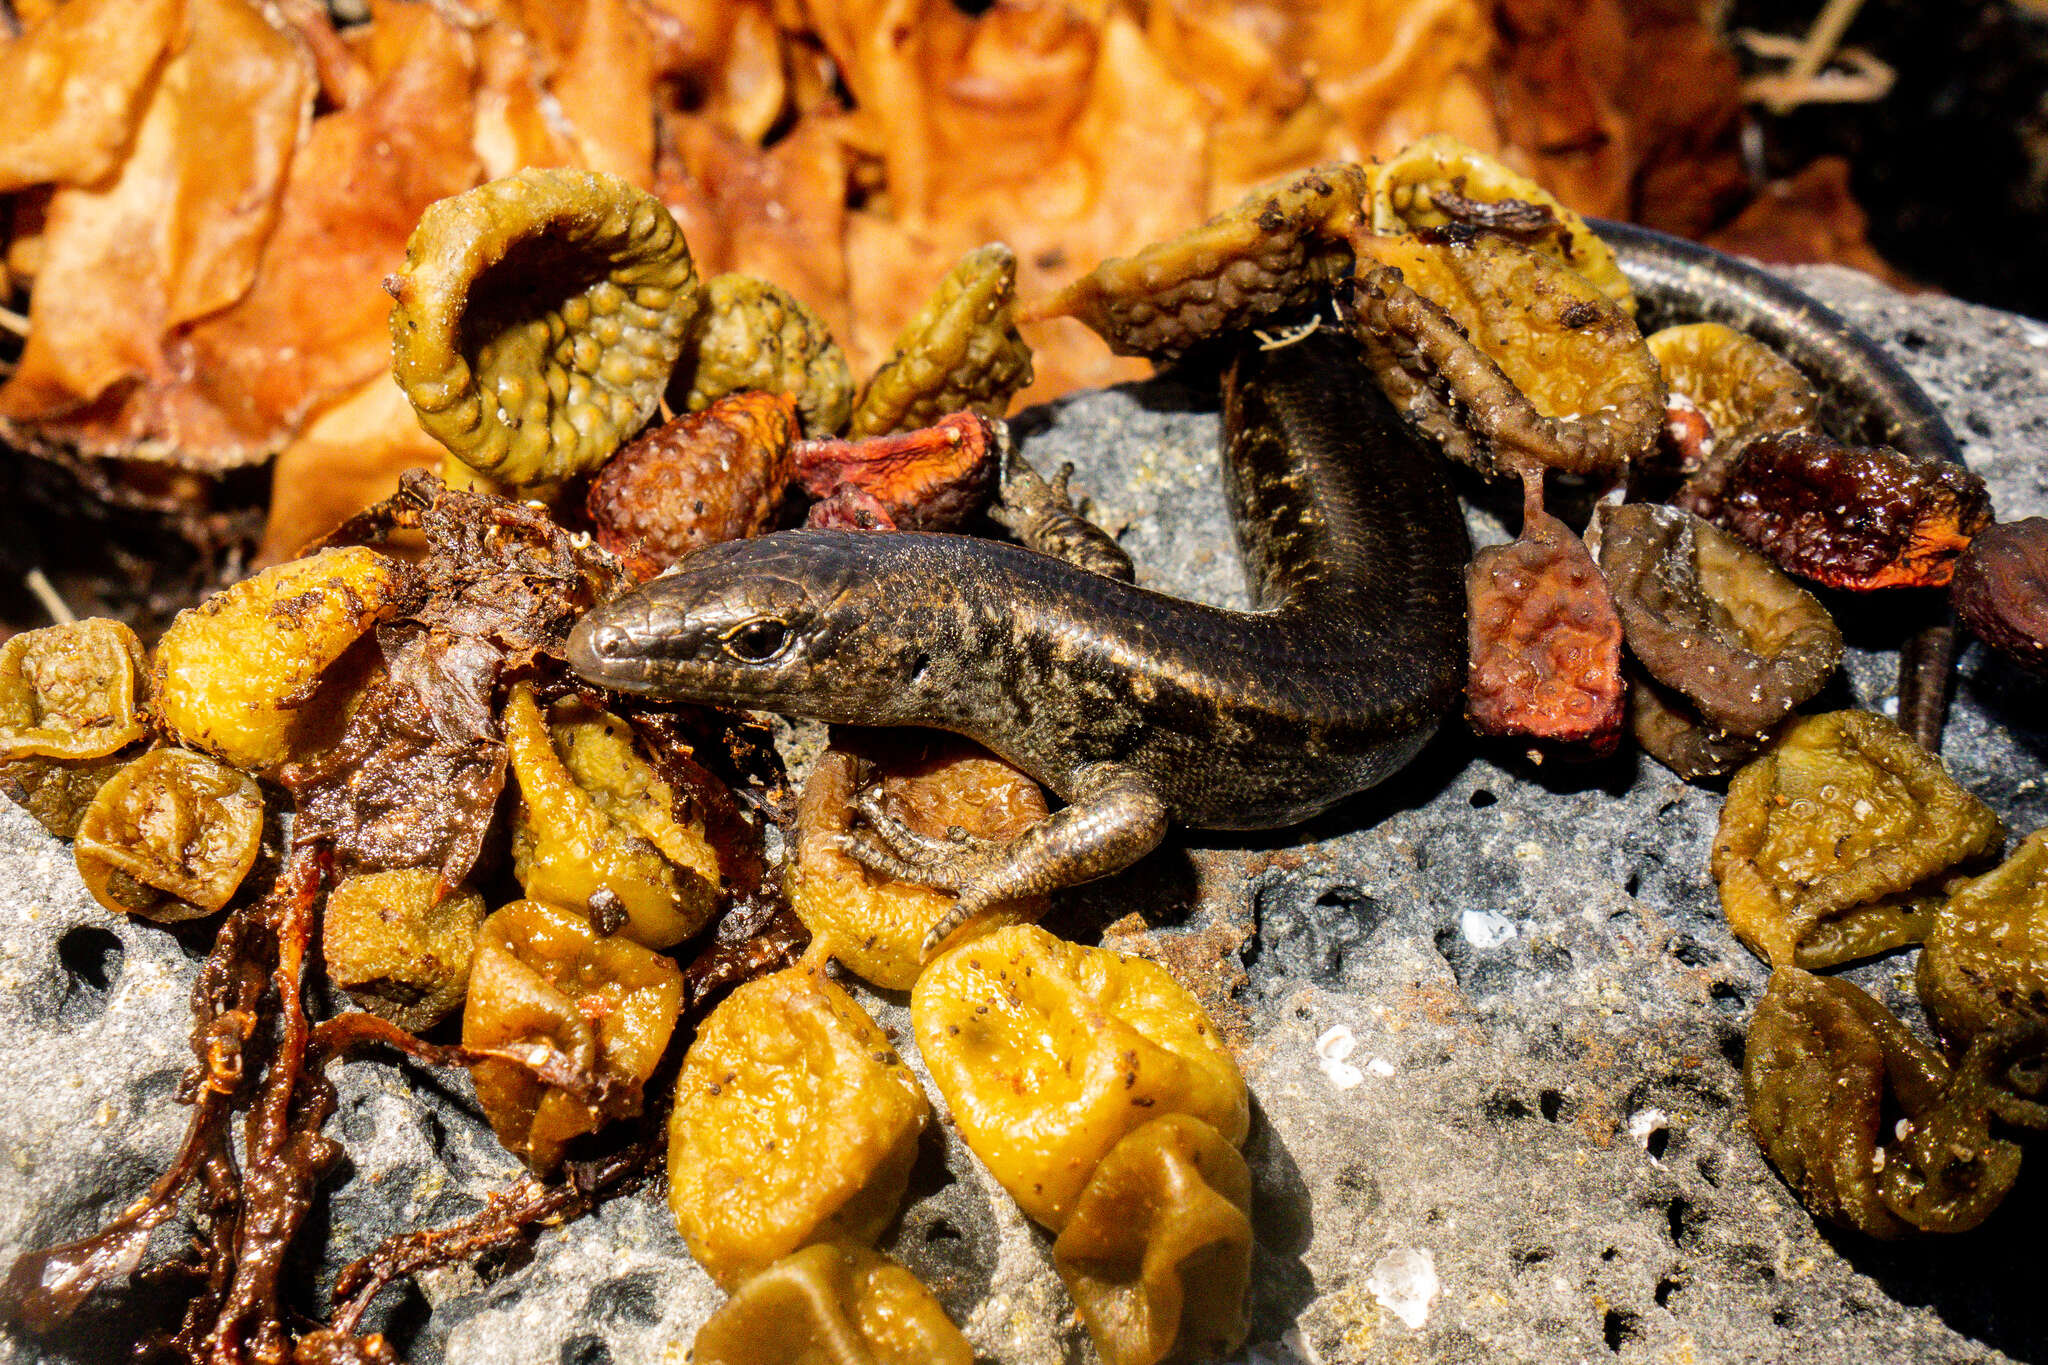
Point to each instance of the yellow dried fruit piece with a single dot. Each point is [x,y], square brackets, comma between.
[596,827]
[1985,964]
[794,1122]
[538,319]
[543,983]
[1158,1253]
[69,691]
[1049,1053]
[872,923]
[400,943]
[1835,843]
[234,674]
[831,1304]
[1743,386]
[1439,182]
[756,335]
[961,352]
[170,836]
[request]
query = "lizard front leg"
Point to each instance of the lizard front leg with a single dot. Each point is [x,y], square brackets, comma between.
[1043,518]
[1115,819]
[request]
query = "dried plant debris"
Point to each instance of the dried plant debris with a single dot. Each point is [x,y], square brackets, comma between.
[1438,182]
[833,1302]
[962,352]
[1714,622]
[1741,386]
[1984,969]
[932,479]
[170,836]
[708,476]
[1824,1068]
[1278,250]
[1846,516]
[1508,360]
[794,1122]
[1545,641]
[1838,842]
[756,335]
[1158,1253]
[70,691]
[2000,590]
[538,319]
[400,942]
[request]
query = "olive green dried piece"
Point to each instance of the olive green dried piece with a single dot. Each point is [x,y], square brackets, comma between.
[538,319]
[1439,182]
[69,691]
[831,1304]
[57,791]
[1714,620]
[1275,250]
[1743,386]
[1673,732]
[1824,1063]
[170,836]
[1510,361]
[961,352]
[1985,964]
[1837,843]
[755,335]
[1158,1253]
[399,943]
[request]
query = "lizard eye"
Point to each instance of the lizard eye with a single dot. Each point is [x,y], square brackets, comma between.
[758,640]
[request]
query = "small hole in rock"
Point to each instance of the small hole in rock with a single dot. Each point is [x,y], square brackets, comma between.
[1610,1253]
[91,958]
[1683,1219]
[587,1349]
[1781,1317]
[1619,1328]
[942,1231]
[1656,1142]
[1710,1169]
[1482,798]
[1666,1287]
[1633,884]
[1551,1102]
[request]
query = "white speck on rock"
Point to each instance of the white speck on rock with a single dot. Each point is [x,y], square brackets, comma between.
[1331,1050]
[1485,928]
[1404,1281]
[1380,1066]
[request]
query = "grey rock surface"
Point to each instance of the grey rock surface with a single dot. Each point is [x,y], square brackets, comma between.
[1490,1015]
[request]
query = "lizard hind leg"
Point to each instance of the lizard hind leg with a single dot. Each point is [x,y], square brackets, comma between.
[1115,819]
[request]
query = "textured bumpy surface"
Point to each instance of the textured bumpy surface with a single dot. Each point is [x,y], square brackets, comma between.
[1490,1018]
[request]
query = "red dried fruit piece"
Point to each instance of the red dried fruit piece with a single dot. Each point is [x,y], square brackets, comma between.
[2001,590]
[850,508]
[700,479]
[931,479]
[1856,517]
[1545,640]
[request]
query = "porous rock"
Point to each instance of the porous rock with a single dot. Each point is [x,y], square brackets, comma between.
[1489,1012]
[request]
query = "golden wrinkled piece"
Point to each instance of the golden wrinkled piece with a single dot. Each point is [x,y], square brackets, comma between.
[70,691]
[538,319]
[597,828]
[1824,1068]
[1715,622]
[1743,386]
[1276,250]
[1984,966]
[869,922]
[1510,361]
[1049,1053]
[234,674]
[1834,844]
[1439,182]
[794,1122]
[400,943]
[756,335]
[1158,1253]
[170,836]
[594,1009]
[961,352]
[831,1304]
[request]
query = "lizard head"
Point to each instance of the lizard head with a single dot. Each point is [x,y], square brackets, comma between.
[756,623]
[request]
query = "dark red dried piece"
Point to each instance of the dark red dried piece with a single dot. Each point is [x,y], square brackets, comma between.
[1855,517]
[700,479]
[850,508]
[1545,640]
[931,479]
[2001,590]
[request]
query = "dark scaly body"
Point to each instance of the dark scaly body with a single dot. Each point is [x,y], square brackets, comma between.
[1353,546]
[1867,396]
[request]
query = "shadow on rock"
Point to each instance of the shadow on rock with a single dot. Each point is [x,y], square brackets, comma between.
[1282,1287]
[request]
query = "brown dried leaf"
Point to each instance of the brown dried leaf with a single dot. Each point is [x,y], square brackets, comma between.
[2001,590]
[76,85]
